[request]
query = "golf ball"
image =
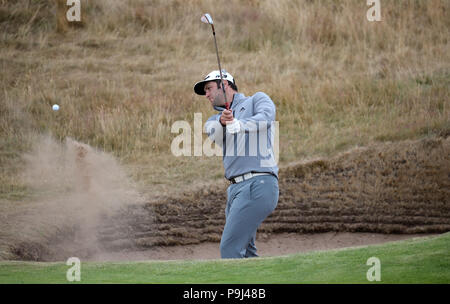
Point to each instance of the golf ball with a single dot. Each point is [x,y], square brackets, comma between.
[55,107]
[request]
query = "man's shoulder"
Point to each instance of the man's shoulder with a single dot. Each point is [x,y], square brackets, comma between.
[255,97]
[261,98]
[259,95]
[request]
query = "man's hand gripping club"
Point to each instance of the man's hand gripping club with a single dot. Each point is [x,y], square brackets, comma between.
[227,119]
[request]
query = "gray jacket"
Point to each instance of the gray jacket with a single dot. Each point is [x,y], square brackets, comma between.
[251,149]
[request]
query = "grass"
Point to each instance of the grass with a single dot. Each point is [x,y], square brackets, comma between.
[126,75]
[420,260]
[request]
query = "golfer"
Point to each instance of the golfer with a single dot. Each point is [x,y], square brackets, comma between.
[245,133]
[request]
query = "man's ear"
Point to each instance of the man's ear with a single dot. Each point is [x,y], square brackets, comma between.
[225,84]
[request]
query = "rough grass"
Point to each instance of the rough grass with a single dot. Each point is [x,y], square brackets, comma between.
[124,77]
[421,260]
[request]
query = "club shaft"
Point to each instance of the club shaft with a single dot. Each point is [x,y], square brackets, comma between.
[220,68]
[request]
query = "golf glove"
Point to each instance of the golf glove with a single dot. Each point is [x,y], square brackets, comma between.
[234,127]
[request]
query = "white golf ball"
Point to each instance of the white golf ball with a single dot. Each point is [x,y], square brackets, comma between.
[55,107]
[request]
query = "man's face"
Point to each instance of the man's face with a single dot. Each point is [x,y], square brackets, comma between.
[214,94]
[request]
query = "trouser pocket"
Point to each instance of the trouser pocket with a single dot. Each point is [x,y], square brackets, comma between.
[264,191]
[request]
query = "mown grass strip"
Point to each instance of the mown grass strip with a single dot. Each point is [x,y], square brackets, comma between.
[420,260]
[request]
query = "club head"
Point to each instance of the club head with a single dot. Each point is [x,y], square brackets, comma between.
[206,18]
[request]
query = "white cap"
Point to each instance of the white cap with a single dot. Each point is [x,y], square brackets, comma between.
[214,75]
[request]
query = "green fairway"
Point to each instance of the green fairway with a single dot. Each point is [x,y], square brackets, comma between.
[420,260]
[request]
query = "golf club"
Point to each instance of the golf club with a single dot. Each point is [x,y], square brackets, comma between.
[206,18]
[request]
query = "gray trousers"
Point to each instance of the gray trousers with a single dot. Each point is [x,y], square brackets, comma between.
[248,204]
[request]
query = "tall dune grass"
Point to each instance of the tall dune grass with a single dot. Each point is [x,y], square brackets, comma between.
[127,75]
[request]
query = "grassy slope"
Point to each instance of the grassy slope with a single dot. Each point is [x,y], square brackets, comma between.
[421,260]
[338,80]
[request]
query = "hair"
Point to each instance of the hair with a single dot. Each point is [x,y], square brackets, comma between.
[231,84]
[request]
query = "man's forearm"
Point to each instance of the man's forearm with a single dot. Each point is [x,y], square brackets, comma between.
[214,129]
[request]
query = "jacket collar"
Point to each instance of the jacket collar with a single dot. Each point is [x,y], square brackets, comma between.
[237,98]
